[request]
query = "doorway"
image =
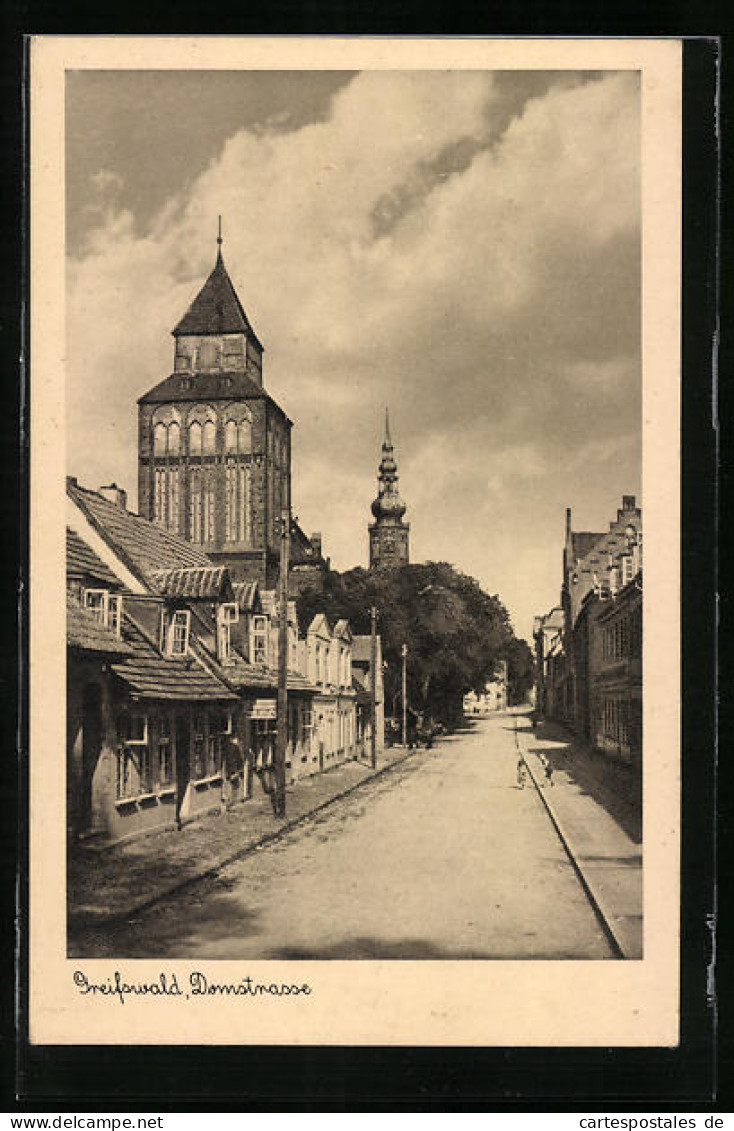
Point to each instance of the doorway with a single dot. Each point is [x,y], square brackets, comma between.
[183,761]
[91,747]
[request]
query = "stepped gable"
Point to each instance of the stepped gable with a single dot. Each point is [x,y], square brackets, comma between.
[84,631]
[81,561]
[216,309]
[145,547]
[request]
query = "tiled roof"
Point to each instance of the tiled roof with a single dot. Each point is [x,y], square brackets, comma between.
[209,583]
[360,684]
[152,676]
[245,594]
[83,630]
[582,541]
[81,561]
[143,546]
[186,386]
[216,309]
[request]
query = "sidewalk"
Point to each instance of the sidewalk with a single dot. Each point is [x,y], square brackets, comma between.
[117,882]
[593,807]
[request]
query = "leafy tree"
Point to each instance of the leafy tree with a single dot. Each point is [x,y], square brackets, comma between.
[455,632]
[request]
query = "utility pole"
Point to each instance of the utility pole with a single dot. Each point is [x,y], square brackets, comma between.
[282,717]
[405,696]
[373,683]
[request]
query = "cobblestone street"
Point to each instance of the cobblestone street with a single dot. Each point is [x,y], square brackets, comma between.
[442,857]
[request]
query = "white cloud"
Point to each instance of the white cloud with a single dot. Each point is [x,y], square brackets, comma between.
[489,316]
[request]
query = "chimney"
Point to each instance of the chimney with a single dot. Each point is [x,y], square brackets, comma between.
[114,494]
[628,503]
[316,543]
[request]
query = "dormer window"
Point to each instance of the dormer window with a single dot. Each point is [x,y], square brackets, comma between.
[259,633]
[227,615]
[105,607]
[178,633]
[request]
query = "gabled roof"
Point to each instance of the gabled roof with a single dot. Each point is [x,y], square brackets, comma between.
[247,595]
[141,545]
[342,629]
[149,675]
[203,583]
[84,631]
[231,384]
[81,561]
[320,625]
[217,309]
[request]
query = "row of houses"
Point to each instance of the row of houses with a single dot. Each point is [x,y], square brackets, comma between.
[589,647]
[172,677]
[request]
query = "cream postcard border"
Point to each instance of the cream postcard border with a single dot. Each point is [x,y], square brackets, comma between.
[562,1003]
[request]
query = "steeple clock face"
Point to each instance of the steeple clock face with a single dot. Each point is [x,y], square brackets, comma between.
[389,545]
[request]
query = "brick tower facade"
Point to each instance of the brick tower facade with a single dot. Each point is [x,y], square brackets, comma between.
[389,535]
[214,449]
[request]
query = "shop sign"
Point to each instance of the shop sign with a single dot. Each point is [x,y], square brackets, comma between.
[264,709]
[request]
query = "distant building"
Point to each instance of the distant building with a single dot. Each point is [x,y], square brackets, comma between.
[389,535]
[362,682]
[589,649]
[492,698]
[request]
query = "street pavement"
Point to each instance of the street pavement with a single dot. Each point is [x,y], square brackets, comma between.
[444,856]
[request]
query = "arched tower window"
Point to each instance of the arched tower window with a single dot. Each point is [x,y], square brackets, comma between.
[209,438]
[174,439]
[160,433]
[195,439]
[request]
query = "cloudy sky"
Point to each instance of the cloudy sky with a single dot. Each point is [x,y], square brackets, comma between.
[460,246]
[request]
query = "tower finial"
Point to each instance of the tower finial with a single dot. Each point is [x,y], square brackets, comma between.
[387,428]
[219,237]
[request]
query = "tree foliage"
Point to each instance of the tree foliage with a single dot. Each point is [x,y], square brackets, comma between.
[455,632]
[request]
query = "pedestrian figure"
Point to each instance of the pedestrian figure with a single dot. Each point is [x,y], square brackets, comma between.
[231,767]
[547,769]
[521,772]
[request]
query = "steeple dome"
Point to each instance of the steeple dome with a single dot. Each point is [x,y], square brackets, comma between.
[388,534]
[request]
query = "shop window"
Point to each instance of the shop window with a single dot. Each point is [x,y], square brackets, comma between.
[165,751]
[134,774]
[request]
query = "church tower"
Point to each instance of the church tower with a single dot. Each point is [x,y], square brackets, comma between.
[389,535]
[214,449]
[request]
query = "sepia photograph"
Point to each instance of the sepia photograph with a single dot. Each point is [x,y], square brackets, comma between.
[353,403]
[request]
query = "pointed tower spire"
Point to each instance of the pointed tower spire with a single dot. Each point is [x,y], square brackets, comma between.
[388,441]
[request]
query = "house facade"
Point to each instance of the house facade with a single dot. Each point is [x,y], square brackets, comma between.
[589,649]
[172,677]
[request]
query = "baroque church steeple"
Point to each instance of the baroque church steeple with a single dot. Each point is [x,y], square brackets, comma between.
[389,535]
